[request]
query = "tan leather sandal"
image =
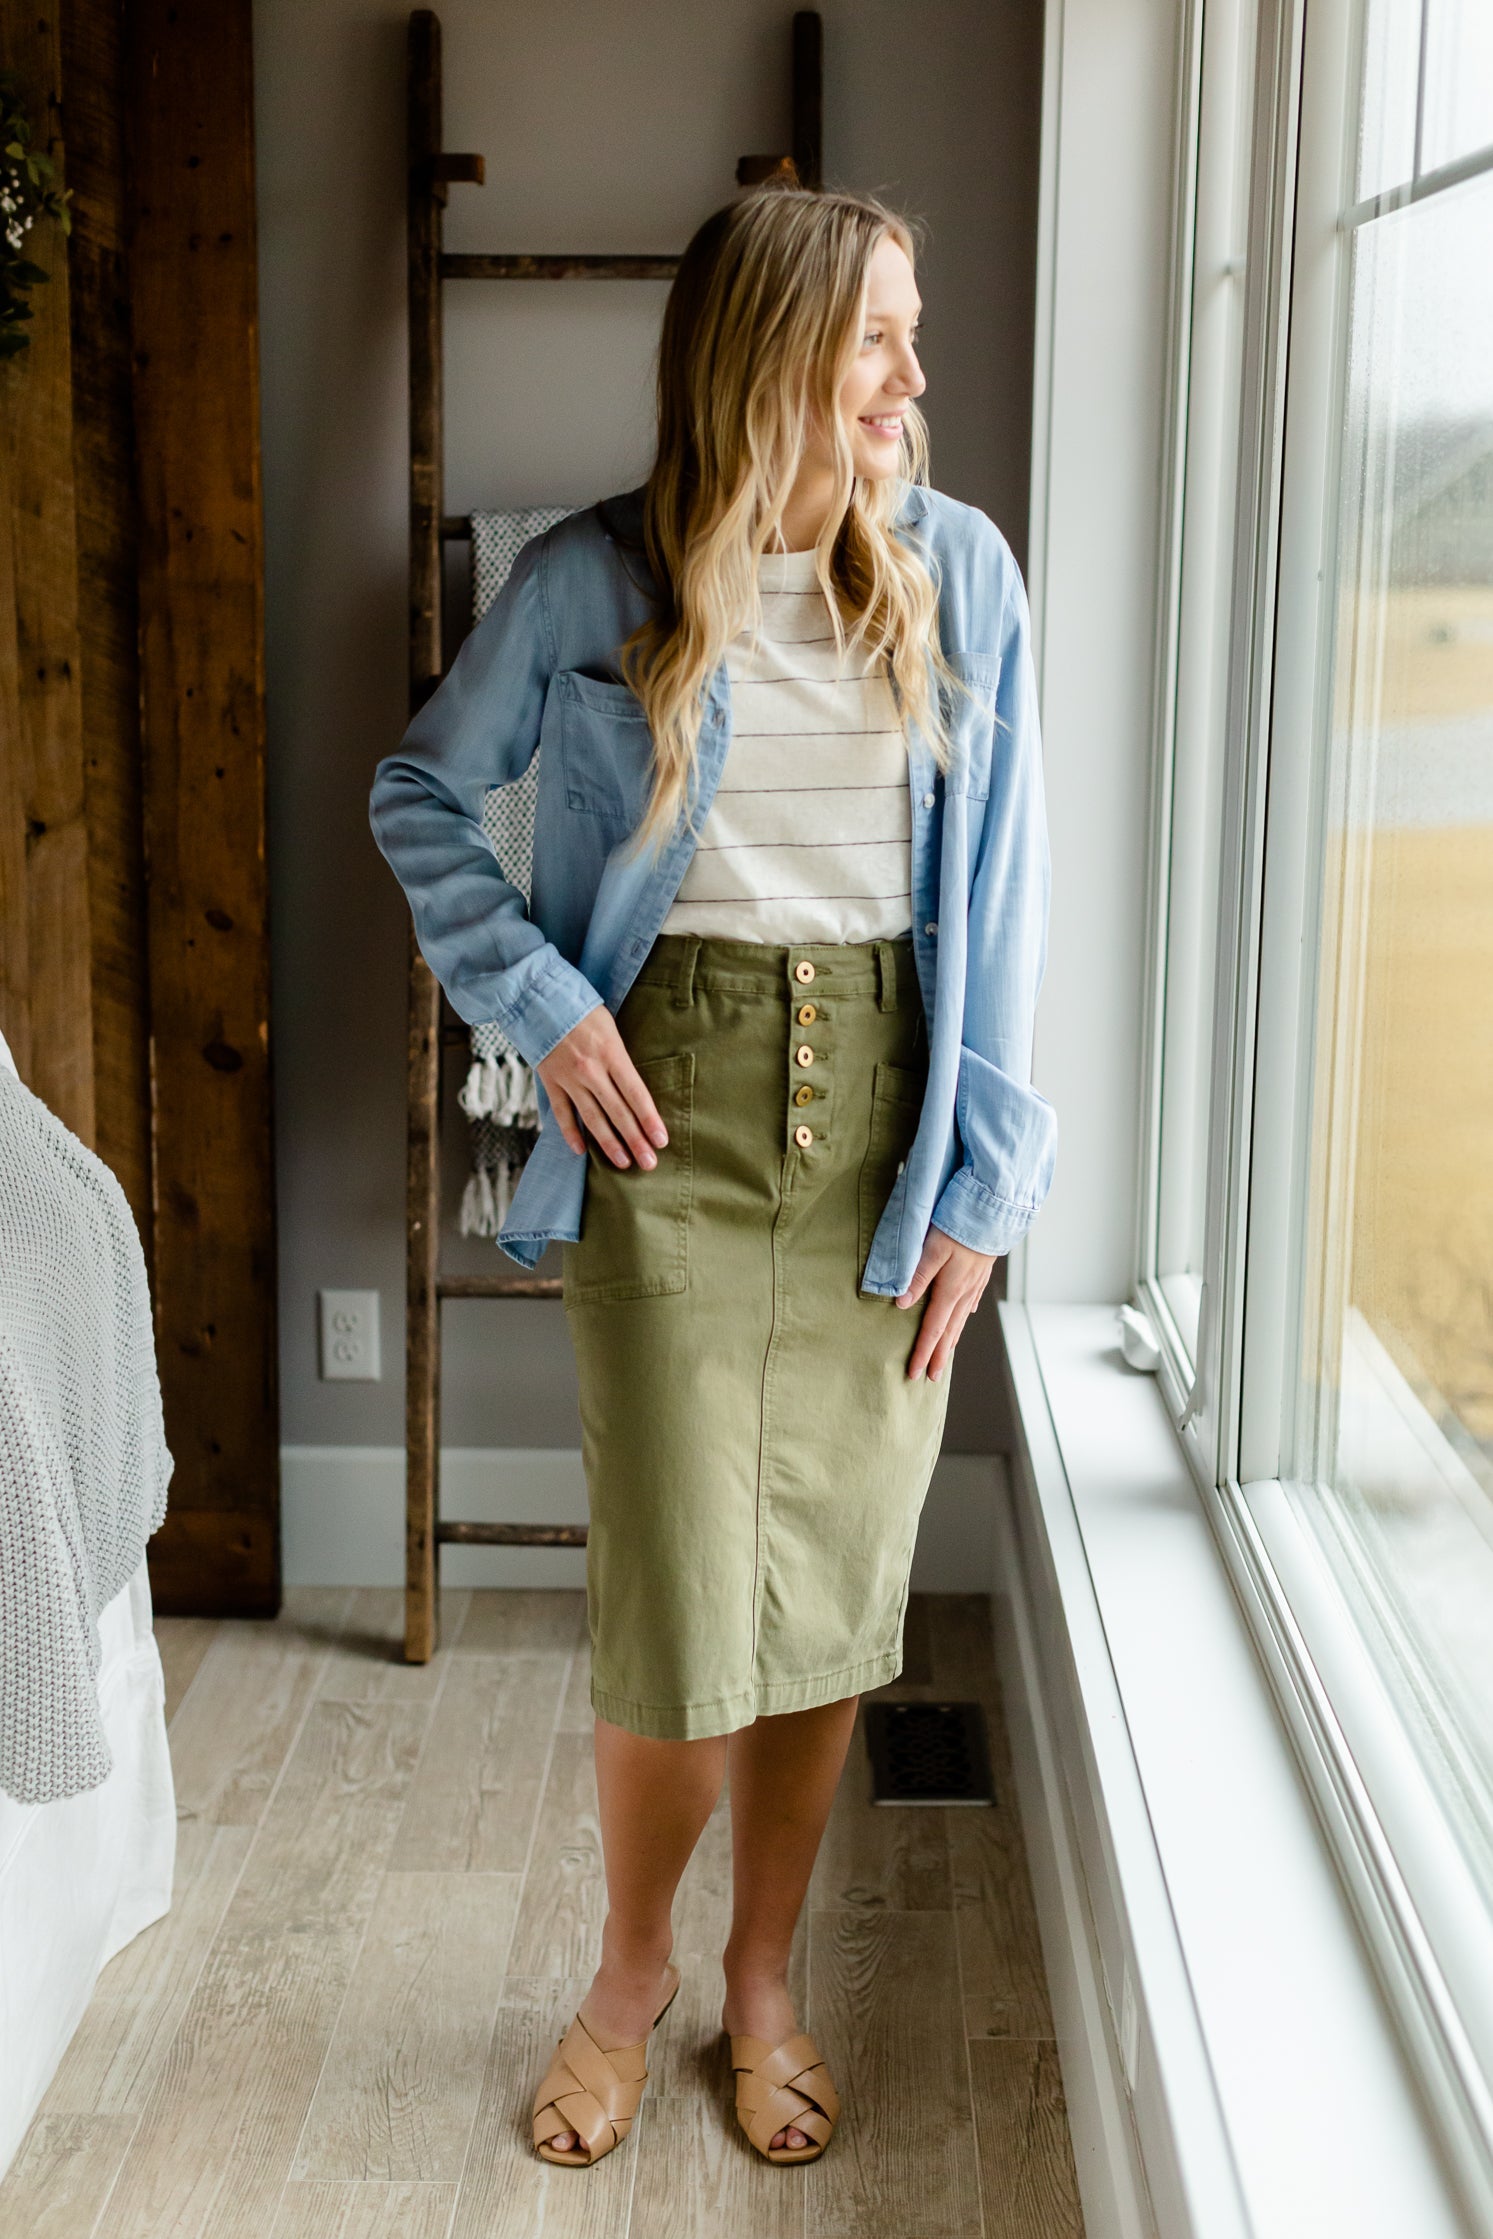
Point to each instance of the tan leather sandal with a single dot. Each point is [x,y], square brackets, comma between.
[784,2087]
[592,2091]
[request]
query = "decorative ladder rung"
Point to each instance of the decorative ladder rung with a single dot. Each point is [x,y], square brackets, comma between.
[511,1535]
[479,265]
[499,1286]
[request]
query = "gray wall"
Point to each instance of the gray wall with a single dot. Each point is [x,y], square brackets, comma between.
[604,127]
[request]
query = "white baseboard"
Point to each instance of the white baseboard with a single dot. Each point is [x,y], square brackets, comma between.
[342,1513]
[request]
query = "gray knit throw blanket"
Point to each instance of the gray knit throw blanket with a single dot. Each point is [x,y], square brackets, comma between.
[84,1464]
[499,1095]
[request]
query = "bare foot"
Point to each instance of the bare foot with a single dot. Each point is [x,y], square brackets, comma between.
[620,2008]
[763,2009]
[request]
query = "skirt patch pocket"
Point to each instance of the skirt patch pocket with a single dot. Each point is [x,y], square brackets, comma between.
[896,1106]
[634,1240]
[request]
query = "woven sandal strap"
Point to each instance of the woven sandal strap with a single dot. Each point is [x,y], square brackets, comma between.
[785,2109]
[789,2060]
[577,2111]
[614,2079]
[797,2060]
[783,2086]
[592,2092]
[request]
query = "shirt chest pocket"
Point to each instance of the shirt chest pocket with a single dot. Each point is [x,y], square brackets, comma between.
[605,747]
[971,719]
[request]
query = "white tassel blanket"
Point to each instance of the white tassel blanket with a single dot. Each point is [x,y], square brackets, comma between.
[499,1095]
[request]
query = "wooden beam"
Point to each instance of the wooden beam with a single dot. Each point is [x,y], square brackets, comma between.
[93,67]
[196,400]
[46,986]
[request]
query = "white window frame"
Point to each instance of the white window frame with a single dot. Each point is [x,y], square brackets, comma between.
[1197,1385]
[1425,1923]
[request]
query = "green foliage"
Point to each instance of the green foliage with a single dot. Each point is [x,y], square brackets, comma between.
[26,194]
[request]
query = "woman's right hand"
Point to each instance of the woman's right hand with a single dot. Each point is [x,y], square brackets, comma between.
[590,1078]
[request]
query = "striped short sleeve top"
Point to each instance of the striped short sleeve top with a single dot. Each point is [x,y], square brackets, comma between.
[809,836]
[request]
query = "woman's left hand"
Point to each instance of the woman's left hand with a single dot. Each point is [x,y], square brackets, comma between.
[954,1276]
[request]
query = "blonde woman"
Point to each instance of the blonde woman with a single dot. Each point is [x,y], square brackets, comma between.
[776,978]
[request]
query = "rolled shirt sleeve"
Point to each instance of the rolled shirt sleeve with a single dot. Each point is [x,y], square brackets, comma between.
[1007,1129]
[480,728]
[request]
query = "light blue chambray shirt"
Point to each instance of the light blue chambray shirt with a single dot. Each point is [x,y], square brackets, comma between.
[534,673]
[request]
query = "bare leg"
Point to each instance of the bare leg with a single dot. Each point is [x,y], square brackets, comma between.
[784,1772]
[655,1798]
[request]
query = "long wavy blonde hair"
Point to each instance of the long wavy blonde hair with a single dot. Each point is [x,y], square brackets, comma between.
[763,323]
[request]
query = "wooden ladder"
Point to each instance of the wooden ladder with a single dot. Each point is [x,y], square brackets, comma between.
[433,1025]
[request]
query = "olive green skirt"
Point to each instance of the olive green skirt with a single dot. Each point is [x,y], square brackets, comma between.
[756,1454]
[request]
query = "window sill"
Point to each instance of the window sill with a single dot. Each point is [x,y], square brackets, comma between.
[1229,2063]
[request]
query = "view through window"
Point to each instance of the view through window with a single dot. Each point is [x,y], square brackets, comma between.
[1395,1469]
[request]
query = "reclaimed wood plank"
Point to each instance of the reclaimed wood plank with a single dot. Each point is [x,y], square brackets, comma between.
[214,2145]
[473,1805]
[1027,2178]
[364,2211]
[236,1725]
[1000,1947]
[368,1664]
[61,2175]
[885,2011]
[195,325]
[125,2037]
[697,2174]
[564,1901]
[399,2090]
[107,541]
[49,987]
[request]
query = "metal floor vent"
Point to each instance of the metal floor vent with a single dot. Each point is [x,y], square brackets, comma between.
[928,1753]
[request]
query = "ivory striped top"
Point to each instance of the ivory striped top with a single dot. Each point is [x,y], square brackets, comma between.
[809,836]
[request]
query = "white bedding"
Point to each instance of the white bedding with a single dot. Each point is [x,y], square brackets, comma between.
[80,1876]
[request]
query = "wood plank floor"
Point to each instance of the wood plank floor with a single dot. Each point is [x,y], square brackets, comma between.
[388,1902]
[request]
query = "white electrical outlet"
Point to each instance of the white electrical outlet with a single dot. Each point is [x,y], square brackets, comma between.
[349,1335]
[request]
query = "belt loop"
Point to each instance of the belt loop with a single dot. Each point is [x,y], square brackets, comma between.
[684,986]
[886,957]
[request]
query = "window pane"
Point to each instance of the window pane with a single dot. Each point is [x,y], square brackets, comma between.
[1398,1443]
[1391,63]
[1458,115]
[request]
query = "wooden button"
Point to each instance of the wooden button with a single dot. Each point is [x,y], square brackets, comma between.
[803,970]
[803,1136]
[807,1013]
[804,1054]
[804,1095]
